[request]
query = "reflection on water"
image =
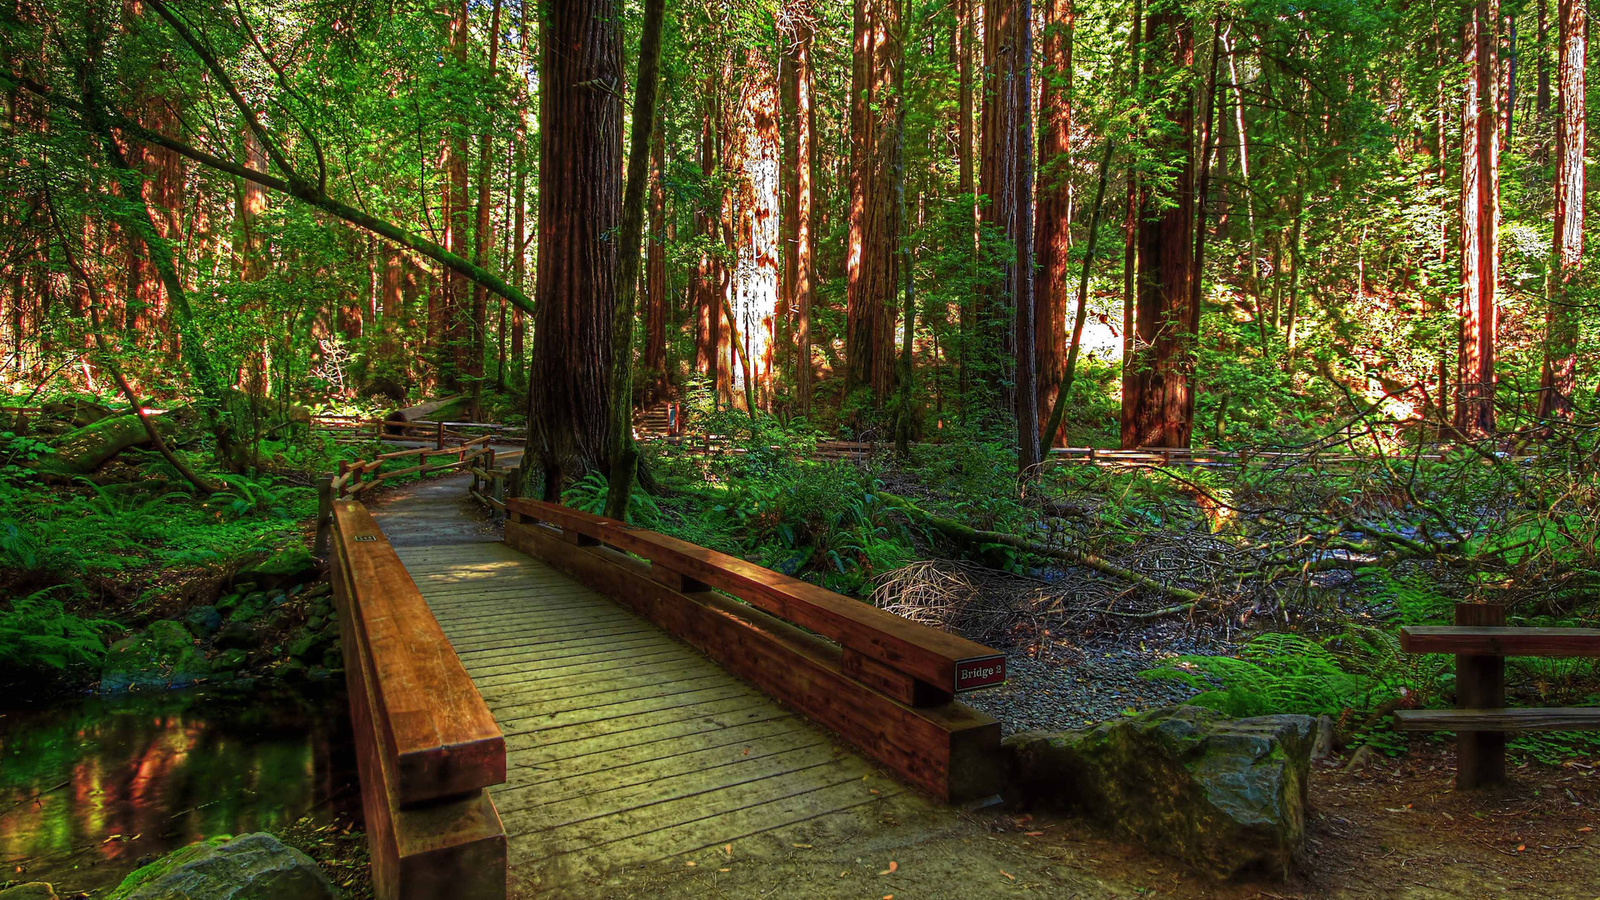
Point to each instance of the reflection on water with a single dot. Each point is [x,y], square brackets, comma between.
[89,789]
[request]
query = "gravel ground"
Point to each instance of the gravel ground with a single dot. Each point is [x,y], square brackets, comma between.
[1044,696]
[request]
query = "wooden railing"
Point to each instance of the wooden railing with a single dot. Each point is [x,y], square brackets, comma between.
[881,682]
[1481,721]
[860,451]
[366,429]
[489,485]
[427,747]
[356,477]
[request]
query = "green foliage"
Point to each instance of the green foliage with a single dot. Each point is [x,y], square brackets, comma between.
[1348,676]
[37,633]
[16,452]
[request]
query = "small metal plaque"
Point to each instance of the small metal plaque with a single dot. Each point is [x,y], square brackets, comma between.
[986,671]
[363,538]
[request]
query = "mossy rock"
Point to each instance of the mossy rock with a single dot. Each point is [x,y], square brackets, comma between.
[280,567]
[203,621]
[163,656]
[251,867]
[1226,795]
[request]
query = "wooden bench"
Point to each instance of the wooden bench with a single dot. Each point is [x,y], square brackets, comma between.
[1481,642]
[885,684]
[427,748]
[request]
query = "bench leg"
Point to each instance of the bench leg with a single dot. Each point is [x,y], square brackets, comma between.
[1480,684]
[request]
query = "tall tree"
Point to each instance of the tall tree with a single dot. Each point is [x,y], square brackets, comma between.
[655,275]
[1053,237]
[872,261]
[1480,217]
[755,157]
[799,31]
[580,206]
[1558,379]
[1007,183]
[483,237]
[1158,373]
[455,338]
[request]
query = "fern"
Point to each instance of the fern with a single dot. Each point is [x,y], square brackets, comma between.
[38,633]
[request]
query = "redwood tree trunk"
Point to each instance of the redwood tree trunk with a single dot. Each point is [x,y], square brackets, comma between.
[1054,210]
[655,276]
[1558,380]
[1007,185]
[872,264]
[453,353]
[1480,208]
[708,307]
[580,204]
[483,238]
[802,282]
[1157,377]
[755,158]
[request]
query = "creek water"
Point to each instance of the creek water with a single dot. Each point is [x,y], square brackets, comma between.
[91,789]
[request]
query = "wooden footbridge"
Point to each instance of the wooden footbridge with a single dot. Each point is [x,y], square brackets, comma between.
[584,695]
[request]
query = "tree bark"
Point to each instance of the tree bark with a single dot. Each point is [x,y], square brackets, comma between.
[655,276]
[624,455]
[1559,377]
[872,263]
[755,158]
[580,199]
[1054,209]
[803,284]
[1007,184]
[1158,378]
[482,237]
[1480,190]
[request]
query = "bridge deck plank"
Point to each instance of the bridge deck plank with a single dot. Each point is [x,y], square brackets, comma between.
[624,745]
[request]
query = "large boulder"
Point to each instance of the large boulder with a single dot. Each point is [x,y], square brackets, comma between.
[250,867]
[164,655]
[1226,795]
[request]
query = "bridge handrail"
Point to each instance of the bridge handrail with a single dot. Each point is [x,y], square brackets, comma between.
[911,661]
[427,747]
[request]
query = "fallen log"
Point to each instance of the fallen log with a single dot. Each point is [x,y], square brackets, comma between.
[88,448]
[970,537]
[432,410]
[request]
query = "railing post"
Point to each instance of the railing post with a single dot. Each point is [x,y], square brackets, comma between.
[324,515]
[438,443]
[1480,684]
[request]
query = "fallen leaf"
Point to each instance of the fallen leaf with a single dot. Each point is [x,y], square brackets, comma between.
[728,849]
[872,790]
[1008,875]
[724,870]
[1585,830]
[1032,833]
[691,863]
[801,846]
[1521,847]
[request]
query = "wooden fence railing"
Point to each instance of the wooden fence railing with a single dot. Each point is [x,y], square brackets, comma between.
[427,747]
[354,478]
[860,451]
[1481,721]
[367,428]
[885,684]
[489,485]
